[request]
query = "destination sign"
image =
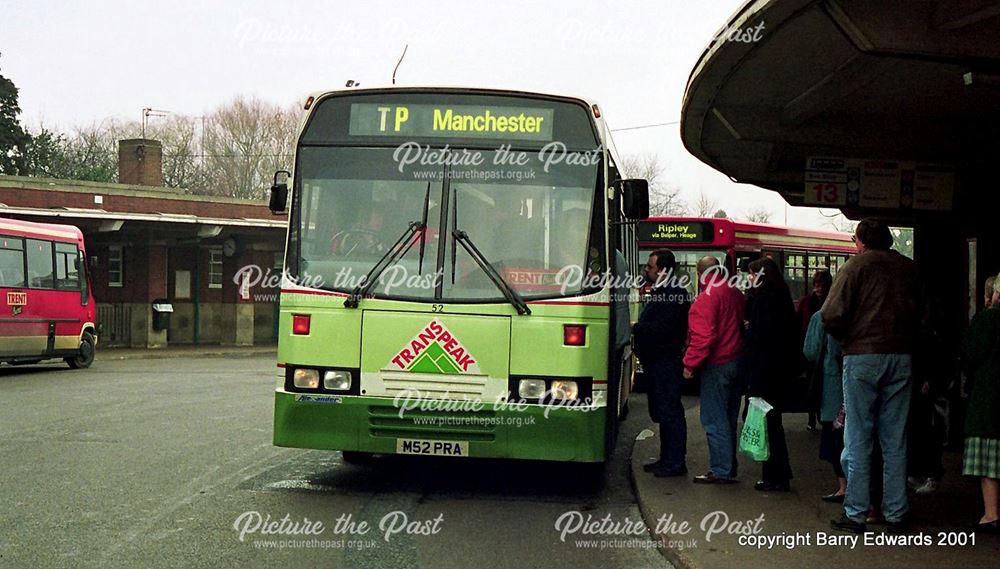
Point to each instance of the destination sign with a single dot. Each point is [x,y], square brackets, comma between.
[675,231]
[452,121]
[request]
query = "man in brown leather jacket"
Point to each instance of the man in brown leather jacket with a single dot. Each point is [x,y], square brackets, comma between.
[873,311]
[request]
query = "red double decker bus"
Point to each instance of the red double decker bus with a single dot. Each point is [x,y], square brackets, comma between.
[799,252]
[46,307]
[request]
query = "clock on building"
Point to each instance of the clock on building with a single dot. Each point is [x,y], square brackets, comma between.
[229,247]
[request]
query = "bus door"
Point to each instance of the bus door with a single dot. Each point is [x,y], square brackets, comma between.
[23,326]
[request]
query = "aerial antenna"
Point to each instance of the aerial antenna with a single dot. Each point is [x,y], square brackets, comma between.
[405,47]
[148,112]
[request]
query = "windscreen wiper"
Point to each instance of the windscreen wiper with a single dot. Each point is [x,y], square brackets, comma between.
[509,293]
[423,234]
[394,253]
[454,228]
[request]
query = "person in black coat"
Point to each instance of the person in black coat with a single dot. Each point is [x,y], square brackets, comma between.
[773,360]
[660,336]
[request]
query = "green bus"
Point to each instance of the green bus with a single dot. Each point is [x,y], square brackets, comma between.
[454,277]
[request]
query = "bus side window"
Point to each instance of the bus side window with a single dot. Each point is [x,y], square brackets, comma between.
[81,266]
[11,262]
[836,261]
[67,273]
[743,261]
[818,261]
[40,263]
[795,273]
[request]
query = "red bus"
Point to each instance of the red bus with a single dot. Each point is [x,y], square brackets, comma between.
[46,307]
[799,252]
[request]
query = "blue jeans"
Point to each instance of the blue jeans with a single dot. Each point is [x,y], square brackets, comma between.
[721,393]
[876,403]
[664,379]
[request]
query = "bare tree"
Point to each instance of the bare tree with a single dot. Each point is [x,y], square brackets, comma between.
[91,152]
[839,222]
[664,198]
[232,152]
[183,165]
[705,206]
[758,214]
[245,142]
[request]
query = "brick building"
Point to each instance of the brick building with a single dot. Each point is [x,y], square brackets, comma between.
[205,255]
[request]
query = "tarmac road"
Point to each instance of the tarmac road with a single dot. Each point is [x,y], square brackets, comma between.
[157,462]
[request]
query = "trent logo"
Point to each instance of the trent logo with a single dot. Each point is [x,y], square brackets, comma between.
[435,350]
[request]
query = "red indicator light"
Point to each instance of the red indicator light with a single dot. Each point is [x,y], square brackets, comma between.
[574,334]
[300,324]
[309,102]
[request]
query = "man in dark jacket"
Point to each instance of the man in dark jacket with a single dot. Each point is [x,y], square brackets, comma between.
[660,335]
[873,311]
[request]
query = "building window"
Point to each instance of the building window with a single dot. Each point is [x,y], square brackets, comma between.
[215,268]
[116,266]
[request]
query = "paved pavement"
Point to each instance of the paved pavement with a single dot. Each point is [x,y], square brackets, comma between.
[716,515]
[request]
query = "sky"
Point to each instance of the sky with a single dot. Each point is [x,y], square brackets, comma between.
[79,63]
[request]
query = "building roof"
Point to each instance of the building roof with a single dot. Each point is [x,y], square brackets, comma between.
[846,78]
[78,200]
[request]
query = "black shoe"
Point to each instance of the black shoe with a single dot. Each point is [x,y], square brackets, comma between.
[670,471]
[772,486]
[651,466]
[897,528]
[847,524]
[987,528]
[833,498]
[811,427]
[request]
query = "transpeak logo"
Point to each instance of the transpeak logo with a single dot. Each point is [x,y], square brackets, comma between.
[435,350]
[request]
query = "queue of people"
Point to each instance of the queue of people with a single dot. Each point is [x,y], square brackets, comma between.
[858,335]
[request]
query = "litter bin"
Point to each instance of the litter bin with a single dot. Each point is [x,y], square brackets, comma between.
[161,314]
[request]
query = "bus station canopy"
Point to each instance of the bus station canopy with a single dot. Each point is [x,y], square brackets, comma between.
[787,80]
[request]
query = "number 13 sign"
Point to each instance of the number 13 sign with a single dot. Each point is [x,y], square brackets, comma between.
[826,182]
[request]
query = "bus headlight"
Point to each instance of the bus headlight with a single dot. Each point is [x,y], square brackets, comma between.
[337,380]
[531,388]
[565,389]
[306,378]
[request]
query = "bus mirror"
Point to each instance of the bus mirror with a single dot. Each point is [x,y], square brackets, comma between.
[635,198]
[279,192]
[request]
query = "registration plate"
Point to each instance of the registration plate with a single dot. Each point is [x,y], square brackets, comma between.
[432,448]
